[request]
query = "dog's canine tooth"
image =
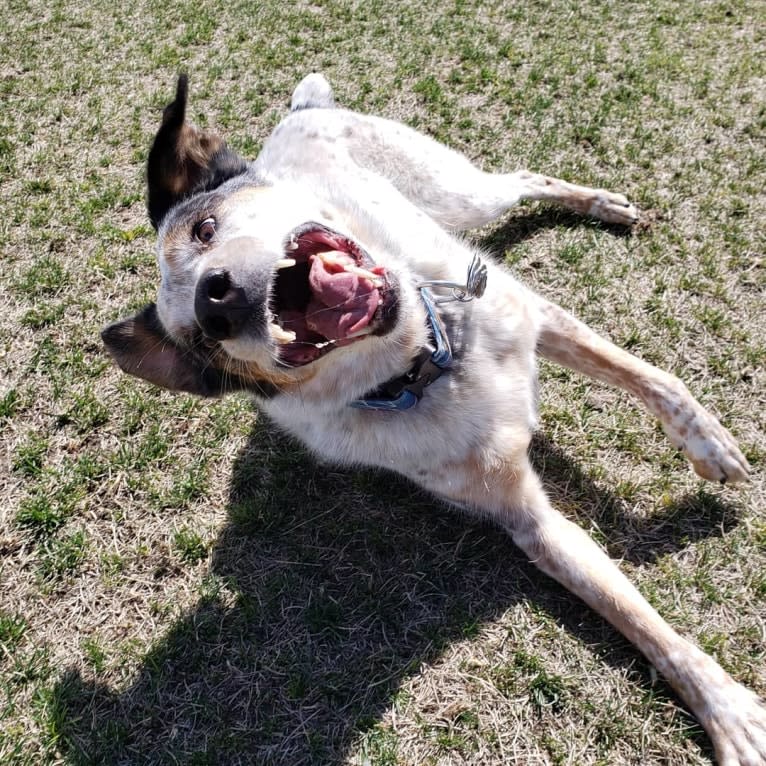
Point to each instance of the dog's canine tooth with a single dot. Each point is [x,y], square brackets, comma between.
[360,272]
[285,263]
[280,335]
[333,257]
[336,258]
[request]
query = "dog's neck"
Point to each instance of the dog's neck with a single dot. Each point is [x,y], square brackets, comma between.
[405,391]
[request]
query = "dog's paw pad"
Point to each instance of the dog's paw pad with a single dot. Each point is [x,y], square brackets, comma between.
[613,208]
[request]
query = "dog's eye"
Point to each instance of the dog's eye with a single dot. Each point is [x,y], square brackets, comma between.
[204,231]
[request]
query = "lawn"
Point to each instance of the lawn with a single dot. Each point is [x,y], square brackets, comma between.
[179,583]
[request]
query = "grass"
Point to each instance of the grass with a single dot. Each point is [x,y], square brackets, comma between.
[179,583]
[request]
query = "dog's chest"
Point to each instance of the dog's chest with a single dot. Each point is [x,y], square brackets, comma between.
[405,441]
[482,403]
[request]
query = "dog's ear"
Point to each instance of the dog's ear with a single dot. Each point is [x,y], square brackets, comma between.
[141,347]
[184,159]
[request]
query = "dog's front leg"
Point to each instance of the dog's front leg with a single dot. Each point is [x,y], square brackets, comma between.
[734,718]
[709,447]
[460,196]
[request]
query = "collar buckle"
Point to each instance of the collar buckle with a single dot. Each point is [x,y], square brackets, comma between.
[474,287]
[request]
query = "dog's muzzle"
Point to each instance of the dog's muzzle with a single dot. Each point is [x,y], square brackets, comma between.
[230,297]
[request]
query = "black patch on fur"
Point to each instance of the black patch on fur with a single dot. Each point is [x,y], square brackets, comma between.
[184,160]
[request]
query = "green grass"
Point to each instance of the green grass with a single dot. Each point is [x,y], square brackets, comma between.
[189,545]
[12,629]
[178,583]
[62,556]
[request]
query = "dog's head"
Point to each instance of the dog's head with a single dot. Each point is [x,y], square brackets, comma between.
[260,284]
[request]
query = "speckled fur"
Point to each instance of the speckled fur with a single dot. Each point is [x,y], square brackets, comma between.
[401,195]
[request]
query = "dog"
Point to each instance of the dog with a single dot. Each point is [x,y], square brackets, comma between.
[325,278]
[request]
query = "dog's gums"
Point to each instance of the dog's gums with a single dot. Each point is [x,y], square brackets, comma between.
[327,293]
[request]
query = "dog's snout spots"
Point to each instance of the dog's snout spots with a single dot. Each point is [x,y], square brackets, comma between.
[221,306]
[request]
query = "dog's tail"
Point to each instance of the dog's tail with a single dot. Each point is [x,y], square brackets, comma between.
[313,92]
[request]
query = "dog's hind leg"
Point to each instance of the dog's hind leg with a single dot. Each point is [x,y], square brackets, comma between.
[734,718]
[710,448]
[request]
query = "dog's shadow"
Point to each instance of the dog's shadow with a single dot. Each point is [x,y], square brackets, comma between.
[328,589]
[523,224]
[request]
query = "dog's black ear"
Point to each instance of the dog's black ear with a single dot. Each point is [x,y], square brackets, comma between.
[184,159]
[141,347]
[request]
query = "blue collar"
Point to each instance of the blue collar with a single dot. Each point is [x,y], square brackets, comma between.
[407,390]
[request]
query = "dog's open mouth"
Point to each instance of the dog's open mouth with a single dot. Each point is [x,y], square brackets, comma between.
[327,293]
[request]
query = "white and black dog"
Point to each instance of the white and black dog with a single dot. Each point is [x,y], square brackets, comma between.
[323,279]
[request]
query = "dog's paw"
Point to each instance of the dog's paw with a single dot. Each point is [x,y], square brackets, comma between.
[709,447]
[613,208]
[737,726]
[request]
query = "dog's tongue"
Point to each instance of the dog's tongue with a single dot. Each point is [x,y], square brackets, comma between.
[343,301]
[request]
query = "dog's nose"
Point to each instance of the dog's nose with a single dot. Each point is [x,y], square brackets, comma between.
[220,305]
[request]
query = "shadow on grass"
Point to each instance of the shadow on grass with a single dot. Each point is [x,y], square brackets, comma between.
[639,540]
[522,224]
[328,590]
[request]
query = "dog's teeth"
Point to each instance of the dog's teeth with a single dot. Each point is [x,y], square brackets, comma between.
[360,333]
[366,273]
[360,272]
[285,263]
[280,335]
[334,257]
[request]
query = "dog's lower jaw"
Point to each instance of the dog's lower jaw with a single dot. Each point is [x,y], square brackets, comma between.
[330,384]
